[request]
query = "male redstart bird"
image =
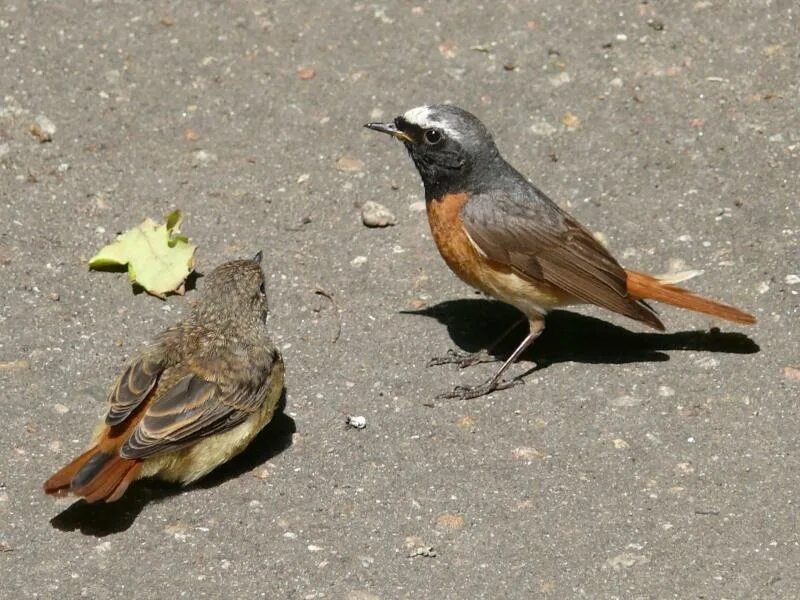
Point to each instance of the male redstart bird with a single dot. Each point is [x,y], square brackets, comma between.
[503,236]
[192,400]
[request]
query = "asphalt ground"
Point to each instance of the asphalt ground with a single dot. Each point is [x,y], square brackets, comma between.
[630,464]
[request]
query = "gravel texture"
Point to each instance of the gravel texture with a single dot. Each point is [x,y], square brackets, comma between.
[631,464]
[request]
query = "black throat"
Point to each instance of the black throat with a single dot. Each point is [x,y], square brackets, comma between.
[471,177]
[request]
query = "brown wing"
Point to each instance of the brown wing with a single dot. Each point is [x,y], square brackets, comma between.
[132,387]
[192,409]
[543,243]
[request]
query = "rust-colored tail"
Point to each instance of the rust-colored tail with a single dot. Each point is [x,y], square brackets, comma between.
[95,475]
[58,483]
[647,287]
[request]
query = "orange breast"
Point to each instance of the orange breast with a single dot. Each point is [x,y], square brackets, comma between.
[475,269]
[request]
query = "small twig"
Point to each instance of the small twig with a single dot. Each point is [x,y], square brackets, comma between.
[710,511]
[329,296]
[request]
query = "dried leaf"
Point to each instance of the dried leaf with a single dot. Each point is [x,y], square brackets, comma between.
[158,258]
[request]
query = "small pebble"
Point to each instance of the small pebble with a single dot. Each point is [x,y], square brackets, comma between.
[376,215]
[262,473]
[652,438]
[43,129]
[792,279]
[358,261]
[526,453]
[707,362]
[348,164]
[201,158]
[571,121]
[626,560]
[356,422]
[417,206]
[451,521]
[306,73]
[560,79]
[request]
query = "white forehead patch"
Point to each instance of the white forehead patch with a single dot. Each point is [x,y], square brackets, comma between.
[425,117]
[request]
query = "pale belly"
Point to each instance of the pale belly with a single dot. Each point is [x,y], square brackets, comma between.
[192,463]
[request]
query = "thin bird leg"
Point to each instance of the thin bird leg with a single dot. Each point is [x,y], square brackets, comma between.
[461,392]
[468,359]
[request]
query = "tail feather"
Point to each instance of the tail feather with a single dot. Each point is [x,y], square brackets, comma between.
[95,475]
[90,470]
[108,479]
[647,287]
[60,481]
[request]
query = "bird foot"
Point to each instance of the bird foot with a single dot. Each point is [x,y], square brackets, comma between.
[462,359]
[463,392]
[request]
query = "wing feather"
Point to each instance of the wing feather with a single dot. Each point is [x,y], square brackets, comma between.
[132,387]
[541,242]
[192,409]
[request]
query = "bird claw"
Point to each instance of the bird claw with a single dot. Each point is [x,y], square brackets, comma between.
[462,359]
[463,392]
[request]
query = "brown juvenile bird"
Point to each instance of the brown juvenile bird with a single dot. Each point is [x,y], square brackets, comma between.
[503,236]
[192,400]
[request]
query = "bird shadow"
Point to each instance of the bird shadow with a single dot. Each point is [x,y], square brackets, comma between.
[473,324]
[102,519]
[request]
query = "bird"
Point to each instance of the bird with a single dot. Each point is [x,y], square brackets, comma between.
[192,399]
[502,235]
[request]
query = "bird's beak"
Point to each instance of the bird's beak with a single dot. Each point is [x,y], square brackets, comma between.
[391,129]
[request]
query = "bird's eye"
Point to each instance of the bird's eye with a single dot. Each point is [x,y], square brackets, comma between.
[262,289]
[433,136]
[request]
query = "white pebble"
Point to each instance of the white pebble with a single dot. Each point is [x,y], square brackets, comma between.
[377,215]
[46,125]
[665,391]
[356,422]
